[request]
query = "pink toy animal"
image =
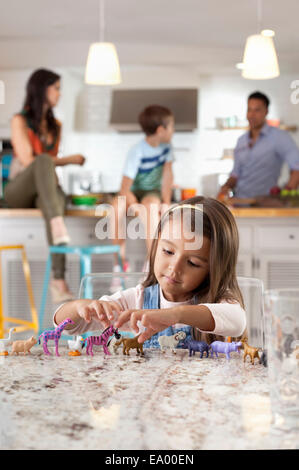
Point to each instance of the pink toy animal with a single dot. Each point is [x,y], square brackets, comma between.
[53,334]
[23,346]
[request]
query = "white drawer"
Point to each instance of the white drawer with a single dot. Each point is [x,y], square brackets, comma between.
[20,233]
[278,238]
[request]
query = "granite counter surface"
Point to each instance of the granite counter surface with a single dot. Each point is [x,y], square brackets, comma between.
[117,402]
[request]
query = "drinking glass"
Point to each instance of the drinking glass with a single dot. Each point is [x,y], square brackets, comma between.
[282,344]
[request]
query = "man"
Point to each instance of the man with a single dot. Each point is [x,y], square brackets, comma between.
[260,154]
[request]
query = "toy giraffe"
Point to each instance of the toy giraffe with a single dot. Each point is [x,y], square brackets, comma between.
[55,335]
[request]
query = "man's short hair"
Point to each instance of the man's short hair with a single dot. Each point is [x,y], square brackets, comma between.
[154,116]
[257,95]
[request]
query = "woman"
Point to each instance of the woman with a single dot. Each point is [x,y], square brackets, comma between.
[35,135]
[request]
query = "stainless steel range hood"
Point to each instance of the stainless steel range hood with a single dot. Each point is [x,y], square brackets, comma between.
[127,104]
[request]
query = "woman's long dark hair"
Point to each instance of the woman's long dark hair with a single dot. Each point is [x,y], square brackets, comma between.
[35,99]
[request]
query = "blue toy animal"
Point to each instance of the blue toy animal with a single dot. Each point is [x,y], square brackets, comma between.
[226,348]
[193,346]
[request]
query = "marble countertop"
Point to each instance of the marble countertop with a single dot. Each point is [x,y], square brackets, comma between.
[160,401]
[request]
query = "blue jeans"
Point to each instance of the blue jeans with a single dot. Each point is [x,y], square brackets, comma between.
[151,300]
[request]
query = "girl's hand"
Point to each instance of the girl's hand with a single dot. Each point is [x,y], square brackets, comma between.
[100,310]
[153,320]
[77,159]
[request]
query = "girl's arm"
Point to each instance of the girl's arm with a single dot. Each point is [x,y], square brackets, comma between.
[224,318]
[20,140]
[198,316]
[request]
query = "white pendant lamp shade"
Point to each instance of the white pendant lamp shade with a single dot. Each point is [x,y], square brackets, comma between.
[260,59]
[102,66]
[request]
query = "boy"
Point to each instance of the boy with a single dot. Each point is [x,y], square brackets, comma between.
[147,177]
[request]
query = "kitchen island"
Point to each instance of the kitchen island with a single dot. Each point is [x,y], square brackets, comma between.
[160,401]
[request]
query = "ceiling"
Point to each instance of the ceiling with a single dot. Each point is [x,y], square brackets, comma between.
[207,34]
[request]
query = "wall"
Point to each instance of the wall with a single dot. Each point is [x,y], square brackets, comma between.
[84,109]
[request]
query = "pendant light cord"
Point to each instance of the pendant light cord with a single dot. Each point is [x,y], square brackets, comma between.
[101,20]
[259,16]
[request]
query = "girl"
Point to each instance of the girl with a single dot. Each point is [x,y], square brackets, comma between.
[191,283]
[35,135]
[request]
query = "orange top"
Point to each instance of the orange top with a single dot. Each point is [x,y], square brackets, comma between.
[38,146]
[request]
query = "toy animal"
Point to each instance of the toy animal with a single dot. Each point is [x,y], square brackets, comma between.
[251,352]
[55,335]
[172,341]
[131,343]
[4,342]
[264,359]
[200,346]
[226,348]
[75,346]
[113,344]
[101,340]
[23,346]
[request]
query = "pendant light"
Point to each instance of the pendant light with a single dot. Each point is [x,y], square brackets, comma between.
[260,59]
[102,66]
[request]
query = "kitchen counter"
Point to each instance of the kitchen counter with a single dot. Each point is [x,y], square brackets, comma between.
[117,402]
[244,212]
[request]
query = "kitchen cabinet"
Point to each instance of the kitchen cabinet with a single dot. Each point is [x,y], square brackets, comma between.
[269,250]
[279,270]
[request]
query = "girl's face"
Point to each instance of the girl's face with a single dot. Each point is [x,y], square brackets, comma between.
[53,94]
[180,271]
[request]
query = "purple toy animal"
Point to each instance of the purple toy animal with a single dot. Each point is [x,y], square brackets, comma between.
[101,340]
[193,346]
[53,334]
[226,348]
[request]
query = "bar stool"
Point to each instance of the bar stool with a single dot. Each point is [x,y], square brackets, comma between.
[24,324]
[84,252]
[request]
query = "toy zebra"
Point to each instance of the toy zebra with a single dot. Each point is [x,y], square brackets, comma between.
[55,335]
[101,340]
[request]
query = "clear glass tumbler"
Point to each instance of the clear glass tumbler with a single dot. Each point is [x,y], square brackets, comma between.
[282,344]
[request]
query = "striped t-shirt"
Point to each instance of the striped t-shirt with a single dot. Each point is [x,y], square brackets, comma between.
[144,165]
[257,167]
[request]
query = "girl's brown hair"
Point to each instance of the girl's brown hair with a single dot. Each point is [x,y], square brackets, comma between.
[220,228]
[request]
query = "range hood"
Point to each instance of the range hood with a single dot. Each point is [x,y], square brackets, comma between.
[127,105]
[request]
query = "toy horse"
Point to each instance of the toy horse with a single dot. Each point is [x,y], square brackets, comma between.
[130,343]
[55,335]
[101,340]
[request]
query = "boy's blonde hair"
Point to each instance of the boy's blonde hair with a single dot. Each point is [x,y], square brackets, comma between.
[220,228]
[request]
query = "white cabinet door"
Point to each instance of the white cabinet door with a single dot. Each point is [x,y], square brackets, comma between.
[244,265]
[278,271]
